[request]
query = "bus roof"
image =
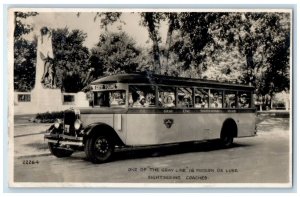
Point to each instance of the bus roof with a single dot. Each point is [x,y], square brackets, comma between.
[138,78]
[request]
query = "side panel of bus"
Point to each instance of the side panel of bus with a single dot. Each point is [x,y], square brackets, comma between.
[149,129]
[120,126]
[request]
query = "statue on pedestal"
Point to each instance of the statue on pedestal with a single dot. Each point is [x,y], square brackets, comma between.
[45,71]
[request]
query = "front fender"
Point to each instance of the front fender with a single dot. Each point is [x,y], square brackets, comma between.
[103,128]
[89,129]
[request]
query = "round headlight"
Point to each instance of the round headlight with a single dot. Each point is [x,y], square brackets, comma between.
[77,124]
[57,123]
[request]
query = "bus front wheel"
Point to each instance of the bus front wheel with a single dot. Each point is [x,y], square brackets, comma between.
[99,148]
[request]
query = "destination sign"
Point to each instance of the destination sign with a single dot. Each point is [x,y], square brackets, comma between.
[111,86]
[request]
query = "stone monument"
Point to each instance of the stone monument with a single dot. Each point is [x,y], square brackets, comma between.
[46,96]
[45,71]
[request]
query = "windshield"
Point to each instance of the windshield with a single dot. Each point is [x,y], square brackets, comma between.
[110,98]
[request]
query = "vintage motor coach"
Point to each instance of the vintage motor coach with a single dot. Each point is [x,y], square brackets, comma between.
[142,110]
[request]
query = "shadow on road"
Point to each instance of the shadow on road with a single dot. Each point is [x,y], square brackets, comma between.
[173,150]
[38,146]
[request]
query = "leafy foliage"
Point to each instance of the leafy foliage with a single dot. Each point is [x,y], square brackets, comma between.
[107,18]
[20,27]
[71,59]
[49,117]
[114,53]
[248,47]
[24,54]
[24,64]
[262,41]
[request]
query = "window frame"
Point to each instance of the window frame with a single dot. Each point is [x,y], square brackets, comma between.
[140,107]
[192,97]
[175,95]
[206,87]
[111,90]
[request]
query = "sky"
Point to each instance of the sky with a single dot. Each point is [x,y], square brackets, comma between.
[87,24]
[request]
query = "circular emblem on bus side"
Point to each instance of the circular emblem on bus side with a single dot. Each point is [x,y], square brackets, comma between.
[168,122]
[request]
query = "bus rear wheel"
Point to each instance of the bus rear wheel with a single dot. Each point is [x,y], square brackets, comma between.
[59,152]
[226,141]
[99,148]
[228,132]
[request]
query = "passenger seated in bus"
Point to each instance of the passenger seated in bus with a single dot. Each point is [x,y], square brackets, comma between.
[117,99]
[169,102]
[200,103]
[150,100]
[142,101]
[183,101]
[227,102]
[216,103]
[114,102]
[187,101]
[160,103]
[134,100]
[243,103]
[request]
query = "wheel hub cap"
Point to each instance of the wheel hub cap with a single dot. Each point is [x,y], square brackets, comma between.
[102,145]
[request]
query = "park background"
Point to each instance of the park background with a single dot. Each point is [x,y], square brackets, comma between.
[240,47]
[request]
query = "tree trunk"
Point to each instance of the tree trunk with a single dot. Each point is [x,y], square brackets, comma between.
[149,22]
[156,55]
[168,44]
[250,67]
[169,38]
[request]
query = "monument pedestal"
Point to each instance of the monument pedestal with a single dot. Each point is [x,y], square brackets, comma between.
[47,99]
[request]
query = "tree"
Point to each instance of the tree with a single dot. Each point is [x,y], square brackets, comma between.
[71,59]
[262,39]
[115,53]
[20,27]
[24,53]
[107,18]
[240,46]
[24,65]
[151,20]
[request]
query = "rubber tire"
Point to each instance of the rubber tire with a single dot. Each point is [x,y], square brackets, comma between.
[226,141]
[59,152]
[92,154]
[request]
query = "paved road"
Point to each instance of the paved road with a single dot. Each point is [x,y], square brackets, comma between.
[262,159]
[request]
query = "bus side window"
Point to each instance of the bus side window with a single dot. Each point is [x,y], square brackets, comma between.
[117,98]
[101,99]
[141,96]
[185,97]
[201,98]
[244,99]
[230,99]
[216,98]
[166,97]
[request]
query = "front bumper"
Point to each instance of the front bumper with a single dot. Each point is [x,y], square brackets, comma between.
[62,139]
